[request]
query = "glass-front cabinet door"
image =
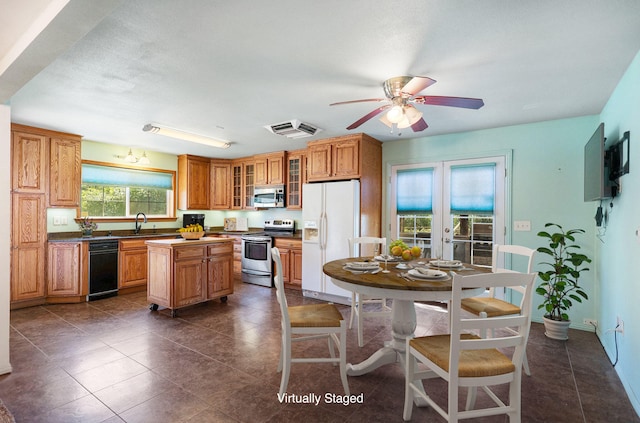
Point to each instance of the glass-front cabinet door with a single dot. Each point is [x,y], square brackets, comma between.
[296,176]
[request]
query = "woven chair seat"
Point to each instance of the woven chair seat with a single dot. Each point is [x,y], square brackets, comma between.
[473,363]
[492,306]
[315,315]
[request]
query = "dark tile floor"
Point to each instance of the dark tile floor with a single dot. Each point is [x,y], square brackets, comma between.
[113,360]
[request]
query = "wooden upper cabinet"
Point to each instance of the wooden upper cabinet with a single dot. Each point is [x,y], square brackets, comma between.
[249,183]
[345,158]
[220,196]
[334,159]
[296,177]
[275,165]
[269,169]
[237,184]
[193,182]
[319,161]
[260,169]
[29,162]
[65,172]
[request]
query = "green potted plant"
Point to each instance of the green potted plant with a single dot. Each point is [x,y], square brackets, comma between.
[559,286]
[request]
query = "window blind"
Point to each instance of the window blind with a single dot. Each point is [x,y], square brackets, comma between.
[473,189]
[414,191]
[116,176]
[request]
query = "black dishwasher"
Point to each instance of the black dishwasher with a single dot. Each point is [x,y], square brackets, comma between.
[103,269]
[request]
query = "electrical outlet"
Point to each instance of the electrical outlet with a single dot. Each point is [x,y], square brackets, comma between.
[522,225]
[619,325]
[592,322]
[56,220]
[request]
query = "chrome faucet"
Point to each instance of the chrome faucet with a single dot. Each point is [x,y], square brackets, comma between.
[139,226]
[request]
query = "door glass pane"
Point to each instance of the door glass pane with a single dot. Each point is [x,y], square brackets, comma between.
[415,229]
[473,238]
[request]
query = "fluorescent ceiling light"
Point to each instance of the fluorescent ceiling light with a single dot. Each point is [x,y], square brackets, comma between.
[186,136]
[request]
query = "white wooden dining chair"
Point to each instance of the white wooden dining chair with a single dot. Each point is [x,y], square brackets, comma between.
[308,322]
[493,307]
[464,359]
[358,301]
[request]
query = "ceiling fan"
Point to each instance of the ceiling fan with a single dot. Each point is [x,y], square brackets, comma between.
[401,96]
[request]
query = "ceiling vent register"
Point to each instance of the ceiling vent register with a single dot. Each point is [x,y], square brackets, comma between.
[293,129]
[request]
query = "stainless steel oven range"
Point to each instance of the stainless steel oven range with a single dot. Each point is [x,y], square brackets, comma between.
[257,267]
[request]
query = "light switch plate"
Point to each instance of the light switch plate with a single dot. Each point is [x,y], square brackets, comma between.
[522,225]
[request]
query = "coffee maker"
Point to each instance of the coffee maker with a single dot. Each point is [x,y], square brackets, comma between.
[190,219]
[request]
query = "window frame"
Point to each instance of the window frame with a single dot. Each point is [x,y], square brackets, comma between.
[171,203]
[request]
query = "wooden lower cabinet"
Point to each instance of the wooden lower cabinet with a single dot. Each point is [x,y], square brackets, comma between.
[132,265]
[67,272]
[237,253]
[291,256]
[183,273]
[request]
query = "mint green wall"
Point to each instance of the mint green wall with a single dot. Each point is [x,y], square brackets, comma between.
[546,181]
[618,276]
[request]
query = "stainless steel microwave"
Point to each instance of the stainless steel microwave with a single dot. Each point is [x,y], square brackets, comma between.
[268,196]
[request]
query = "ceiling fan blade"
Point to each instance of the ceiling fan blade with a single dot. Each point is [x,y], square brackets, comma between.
[368,116]
[358,101]
[417,84]
[464,102]
[420,125]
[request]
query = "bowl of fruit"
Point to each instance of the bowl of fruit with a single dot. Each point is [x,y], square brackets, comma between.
[399,249]
[193,231]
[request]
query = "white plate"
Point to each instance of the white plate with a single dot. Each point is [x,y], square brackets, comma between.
[445,263]
[389,258]
[362,265]
[402,266]
[427,273]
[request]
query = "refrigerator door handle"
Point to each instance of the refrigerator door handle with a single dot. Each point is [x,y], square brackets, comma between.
[323,231]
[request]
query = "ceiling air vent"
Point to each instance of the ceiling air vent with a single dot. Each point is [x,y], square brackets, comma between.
[293,129]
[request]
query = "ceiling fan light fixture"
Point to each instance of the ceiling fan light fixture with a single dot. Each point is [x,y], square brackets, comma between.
[185,136]
[411,116]
[395,114]
[386,121]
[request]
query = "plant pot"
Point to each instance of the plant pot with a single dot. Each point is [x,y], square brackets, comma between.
[555,329]
[87,233]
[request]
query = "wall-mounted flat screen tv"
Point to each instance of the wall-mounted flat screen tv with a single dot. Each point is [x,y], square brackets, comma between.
[596,177]
[618,158]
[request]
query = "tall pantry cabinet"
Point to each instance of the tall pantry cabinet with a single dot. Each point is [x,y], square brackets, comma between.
[45,172]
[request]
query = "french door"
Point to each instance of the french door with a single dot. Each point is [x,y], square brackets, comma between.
[451,209]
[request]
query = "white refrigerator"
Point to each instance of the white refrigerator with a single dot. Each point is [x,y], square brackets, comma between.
[330,216]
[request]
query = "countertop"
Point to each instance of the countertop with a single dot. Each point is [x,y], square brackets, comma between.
[163,233]
[179,241]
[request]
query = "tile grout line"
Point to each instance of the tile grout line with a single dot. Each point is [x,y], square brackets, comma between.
[575,382]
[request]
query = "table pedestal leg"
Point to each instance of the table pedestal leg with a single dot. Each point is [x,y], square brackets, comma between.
[403,326]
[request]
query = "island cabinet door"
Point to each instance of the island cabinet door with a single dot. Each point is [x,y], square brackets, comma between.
[219,270]
[159,284]
[190,276]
